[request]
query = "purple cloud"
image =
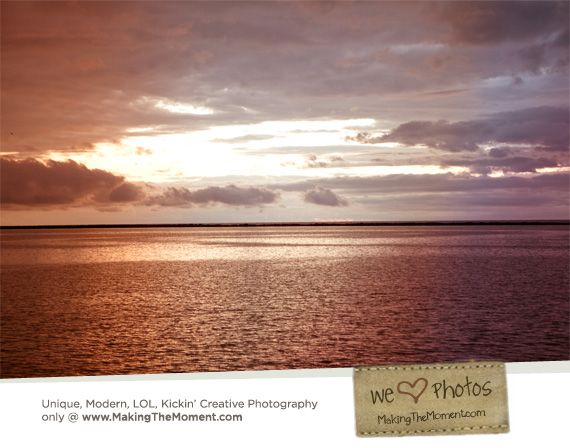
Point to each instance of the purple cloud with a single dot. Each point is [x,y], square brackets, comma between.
[517,164]
[229,195]
[545,127]
[324,196]
[491,23]
[32,183]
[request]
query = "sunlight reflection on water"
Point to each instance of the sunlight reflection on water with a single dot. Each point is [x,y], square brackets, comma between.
[119,301]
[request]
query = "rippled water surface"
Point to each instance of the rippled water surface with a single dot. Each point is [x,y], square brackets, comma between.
[159,300]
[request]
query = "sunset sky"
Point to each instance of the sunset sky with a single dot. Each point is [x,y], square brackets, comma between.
[200,112]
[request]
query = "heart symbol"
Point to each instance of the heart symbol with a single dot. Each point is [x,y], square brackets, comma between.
[412,387]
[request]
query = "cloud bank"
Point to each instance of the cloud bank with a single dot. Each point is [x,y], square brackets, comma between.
[31,183]
[547,128]
[228,195]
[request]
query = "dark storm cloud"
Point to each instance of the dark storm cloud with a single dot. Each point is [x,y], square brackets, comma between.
[229,195]
[546,127]
[32,183]
[324,196]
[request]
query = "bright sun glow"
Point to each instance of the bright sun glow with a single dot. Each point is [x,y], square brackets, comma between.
[243,150]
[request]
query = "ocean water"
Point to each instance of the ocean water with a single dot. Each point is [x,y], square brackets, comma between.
[162,300]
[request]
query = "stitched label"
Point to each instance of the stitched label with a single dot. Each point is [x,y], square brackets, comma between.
[424,399]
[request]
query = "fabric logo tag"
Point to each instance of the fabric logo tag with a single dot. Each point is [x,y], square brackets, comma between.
[424,399]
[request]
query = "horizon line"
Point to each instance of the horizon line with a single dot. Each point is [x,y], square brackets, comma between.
[298,224]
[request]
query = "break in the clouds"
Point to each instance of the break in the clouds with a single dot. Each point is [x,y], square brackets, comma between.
[229,108]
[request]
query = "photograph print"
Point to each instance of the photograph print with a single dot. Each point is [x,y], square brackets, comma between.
[195,186]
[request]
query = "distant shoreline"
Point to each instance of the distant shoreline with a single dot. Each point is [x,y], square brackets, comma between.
[297,224]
